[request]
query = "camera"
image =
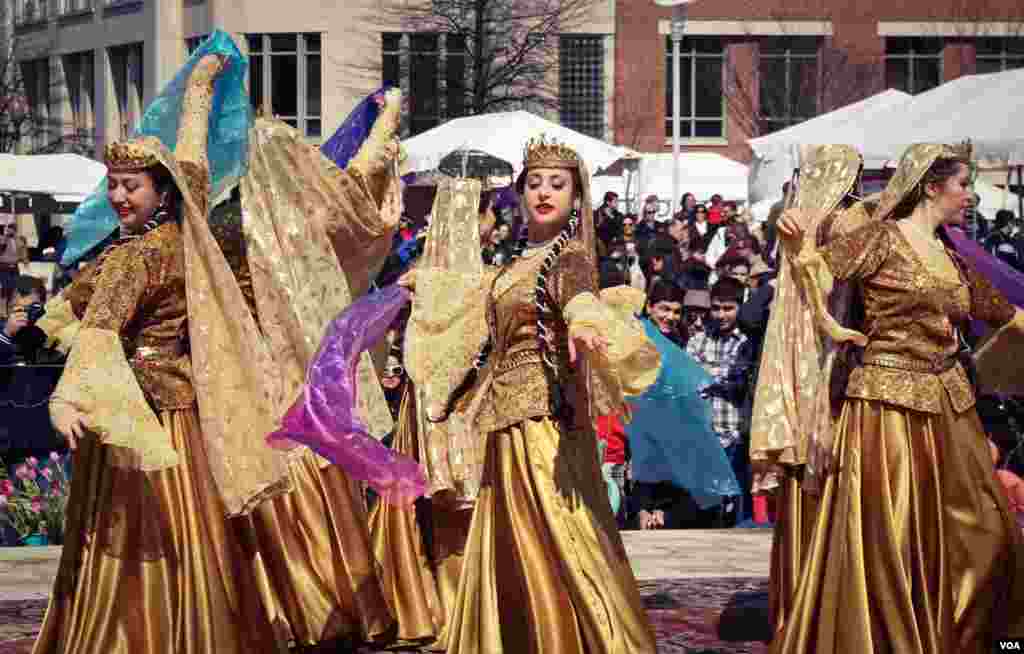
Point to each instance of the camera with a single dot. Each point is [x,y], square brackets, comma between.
[34,312]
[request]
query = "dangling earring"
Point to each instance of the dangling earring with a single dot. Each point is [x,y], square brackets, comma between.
[159,217]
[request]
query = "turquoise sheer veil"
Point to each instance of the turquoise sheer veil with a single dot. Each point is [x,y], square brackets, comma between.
[228,144]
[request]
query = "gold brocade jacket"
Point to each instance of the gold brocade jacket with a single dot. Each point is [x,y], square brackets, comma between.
[136,288]
[911,319]
[520,388]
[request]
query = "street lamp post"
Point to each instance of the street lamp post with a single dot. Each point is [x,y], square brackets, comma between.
[678,25]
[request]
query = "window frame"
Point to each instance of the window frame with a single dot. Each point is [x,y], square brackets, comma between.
[566,98]
[1004,57]
[911,57]
[308,124]
[788,56]
[404,56]
[692,55]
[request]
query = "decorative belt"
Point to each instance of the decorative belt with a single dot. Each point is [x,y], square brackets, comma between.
[516,359]
[936,366]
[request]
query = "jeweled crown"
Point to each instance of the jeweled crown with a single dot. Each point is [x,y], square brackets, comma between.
[544,152]
[126,156]
[963,151]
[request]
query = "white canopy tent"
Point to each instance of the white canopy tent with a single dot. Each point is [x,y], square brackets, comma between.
[985,109]
[503,135]
[776,154]
[65,177]
[703,174]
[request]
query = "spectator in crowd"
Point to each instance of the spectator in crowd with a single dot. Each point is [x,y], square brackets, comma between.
[10,257]
[608,218]
[696,307]
[703,227]
[664,308]
[725,354]
[735,266]
[648,225]
[686,237]
[1002,242]
[657,259]
[20,338]
[716,212]
[687,206]
[977,225]
[760,272]
[693,273]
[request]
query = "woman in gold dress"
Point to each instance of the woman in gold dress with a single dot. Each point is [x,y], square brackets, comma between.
[913,549]
[545,569]
[150,564]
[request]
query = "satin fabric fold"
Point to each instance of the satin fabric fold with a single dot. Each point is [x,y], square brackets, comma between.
[914,550]
[545,570]
[397,536]
[149,562]
[316,562]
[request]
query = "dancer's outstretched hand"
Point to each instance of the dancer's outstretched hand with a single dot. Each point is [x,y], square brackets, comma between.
[589,339]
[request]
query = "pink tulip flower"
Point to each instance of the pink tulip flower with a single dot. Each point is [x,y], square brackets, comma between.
[37,505]
[32,462]
[21,472]
[54,457]
[6,487]
[46,472]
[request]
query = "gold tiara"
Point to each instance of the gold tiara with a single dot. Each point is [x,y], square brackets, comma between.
[542,152]
[963,151]
[124,156]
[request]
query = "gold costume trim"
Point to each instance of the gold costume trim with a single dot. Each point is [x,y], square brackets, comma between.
[60,324]
[128,156]
[99,383]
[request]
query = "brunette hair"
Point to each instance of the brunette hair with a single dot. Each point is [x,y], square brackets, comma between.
[728,289]
[163,182]
[664,290]
[938,173]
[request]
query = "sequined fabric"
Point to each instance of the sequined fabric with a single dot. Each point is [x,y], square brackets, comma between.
[911,316]
[294,205]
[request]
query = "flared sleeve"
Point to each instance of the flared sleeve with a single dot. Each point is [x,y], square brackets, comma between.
[98,381]
[60,324]
[631,362]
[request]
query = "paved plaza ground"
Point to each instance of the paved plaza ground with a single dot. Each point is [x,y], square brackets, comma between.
[705,591]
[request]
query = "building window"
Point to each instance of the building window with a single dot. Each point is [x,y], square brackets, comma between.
[285,79]
[129,88]
[75,6]
[79,75]
[702,61]
[36,79]
[996,54]
[31,11]
[913,64]
[581,84]
[788,81]
[431,70]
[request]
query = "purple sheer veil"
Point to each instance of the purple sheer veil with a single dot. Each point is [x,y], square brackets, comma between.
[1001,275]
[324,417]
[347,140]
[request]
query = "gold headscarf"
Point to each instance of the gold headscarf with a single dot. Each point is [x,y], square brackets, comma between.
[914,164]
[791,412]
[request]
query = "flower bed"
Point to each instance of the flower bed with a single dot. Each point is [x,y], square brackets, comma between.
[34,500]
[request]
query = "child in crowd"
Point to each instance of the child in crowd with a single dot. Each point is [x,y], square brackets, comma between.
[726,355]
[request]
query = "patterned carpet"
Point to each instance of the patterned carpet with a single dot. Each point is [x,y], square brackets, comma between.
[690,616]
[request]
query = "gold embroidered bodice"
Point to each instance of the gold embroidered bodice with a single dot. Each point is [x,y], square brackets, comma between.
[136,288]
[521,388]
[911,319]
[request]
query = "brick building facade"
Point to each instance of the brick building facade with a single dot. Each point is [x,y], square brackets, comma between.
[749,68]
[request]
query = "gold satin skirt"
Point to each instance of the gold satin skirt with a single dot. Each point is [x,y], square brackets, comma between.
[914,550]
[545,570]
[406,572]
[316,567]
[150,564]
[794,522]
